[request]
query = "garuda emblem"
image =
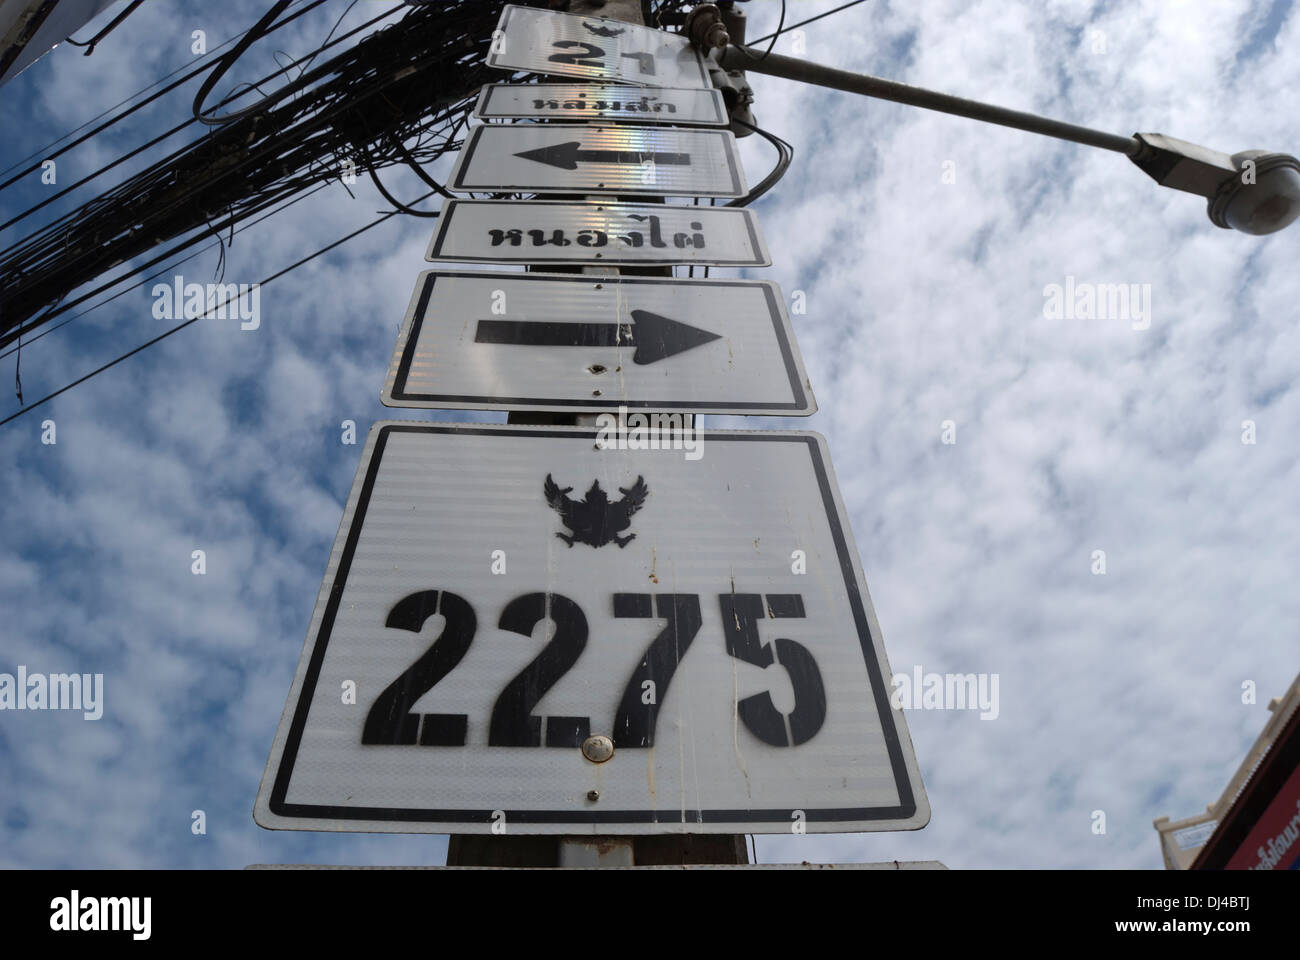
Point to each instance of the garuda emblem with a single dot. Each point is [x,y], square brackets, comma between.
[604,31]
[593,519]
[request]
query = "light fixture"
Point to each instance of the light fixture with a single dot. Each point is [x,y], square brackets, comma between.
[1254,191]
[1266,205]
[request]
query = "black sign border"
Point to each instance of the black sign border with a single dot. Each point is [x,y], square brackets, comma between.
[494,59]
[800,405]
[483,108]
[284,772]
[467,152]
[532,254]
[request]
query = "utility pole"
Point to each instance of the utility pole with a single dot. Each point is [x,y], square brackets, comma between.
[582,851]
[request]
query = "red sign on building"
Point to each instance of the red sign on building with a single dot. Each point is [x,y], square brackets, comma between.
[1262,828]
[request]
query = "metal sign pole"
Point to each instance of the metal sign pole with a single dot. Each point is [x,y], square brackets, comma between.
[587,851]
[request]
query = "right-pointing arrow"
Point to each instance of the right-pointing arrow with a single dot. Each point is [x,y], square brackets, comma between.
[568,155]
[654,337]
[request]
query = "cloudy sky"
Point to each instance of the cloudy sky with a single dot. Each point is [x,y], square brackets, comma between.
[923,244]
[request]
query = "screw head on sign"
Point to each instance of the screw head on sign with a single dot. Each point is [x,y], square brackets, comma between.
[598,749]
[593,795]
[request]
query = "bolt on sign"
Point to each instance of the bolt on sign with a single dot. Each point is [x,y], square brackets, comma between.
[600,101]
[556,231]
[536,341]
[594,48]
[592,630]
[590,158]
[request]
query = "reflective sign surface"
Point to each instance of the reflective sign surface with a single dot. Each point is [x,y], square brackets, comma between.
[601,101]
[595,48]
[555,231]
[498,594]
[583,158]
[535,341]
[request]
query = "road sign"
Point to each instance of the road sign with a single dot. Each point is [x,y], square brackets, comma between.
[595,48]
[601,101]
[586,158]
[556,231]
[535,341]
[498,595]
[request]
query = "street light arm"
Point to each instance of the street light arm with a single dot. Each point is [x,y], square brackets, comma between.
[1183,166]
[1255,191]
[793,68]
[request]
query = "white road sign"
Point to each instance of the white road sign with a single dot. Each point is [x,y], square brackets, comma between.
[589,158]
[535,341]
[557,231]
[601,101]
[595,48]
[503,602]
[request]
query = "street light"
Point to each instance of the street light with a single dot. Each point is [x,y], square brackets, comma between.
[1265,206]
[1255,191]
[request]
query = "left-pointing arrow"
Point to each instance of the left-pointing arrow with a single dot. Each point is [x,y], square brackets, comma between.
[654,337]
[568,155]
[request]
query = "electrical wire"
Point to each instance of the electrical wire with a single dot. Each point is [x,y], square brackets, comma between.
[44,153]
[90,44]
[804,23]
[247,157]
[785,150]
[161,137]
[181,326]
[385,83]
[780,27]
[60,307]
[258,30]
[177,128]
[397,204]
[153,276]
[325,43]
[785,156]
[419,171]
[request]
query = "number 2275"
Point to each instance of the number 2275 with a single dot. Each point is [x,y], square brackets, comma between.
[513,724]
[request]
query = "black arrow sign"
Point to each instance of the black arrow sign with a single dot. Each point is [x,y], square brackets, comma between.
[568,155]
[654,337]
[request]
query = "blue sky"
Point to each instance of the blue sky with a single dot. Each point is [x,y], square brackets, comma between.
[925,301]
